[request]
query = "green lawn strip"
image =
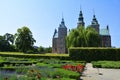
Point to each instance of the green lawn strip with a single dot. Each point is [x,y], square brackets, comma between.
[106,64]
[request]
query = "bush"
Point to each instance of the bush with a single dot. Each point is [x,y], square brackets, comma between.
[94,53]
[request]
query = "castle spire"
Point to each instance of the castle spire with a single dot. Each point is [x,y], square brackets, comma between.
[62,25]
[62,22]
[94,20]
[80,19]
[95,23]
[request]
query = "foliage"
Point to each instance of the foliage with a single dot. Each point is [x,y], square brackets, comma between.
[9,38]
[44,56]
[6,42]
[24,39]
[81,37]
[62,73]
[21,69]
[34,74]
[93,38]
[106,64]
[44,50]
[7,77]
[63,79]
[41,49]
[94,53]
[1,59]
[45,69]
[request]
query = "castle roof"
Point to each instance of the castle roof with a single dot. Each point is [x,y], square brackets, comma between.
[62,25]
[104,32]
[56,35]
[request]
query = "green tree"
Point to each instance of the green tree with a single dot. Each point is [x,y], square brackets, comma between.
[41,49]
[9,38]
[6,42]
[45,49]
[83,37]
[48,50]
[24,39]
[4,45]
[93,37]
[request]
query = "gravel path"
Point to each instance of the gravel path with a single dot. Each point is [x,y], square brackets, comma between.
[91,73]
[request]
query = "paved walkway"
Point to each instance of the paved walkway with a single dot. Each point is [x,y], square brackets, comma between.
[91,73]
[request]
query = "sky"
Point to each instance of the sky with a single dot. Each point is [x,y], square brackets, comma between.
[42,17]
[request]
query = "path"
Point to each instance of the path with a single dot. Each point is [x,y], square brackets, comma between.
[91,73]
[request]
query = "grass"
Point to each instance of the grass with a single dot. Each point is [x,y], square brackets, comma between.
[106,64]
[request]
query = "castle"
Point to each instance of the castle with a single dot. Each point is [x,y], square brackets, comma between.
[59,37]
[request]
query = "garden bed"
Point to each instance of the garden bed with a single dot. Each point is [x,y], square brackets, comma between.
[40,69]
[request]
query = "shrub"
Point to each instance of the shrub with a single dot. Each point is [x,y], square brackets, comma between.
[94,53]
[33,74]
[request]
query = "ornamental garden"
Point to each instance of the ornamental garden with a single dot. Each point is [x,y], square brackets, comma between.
[12,68]
[20,66]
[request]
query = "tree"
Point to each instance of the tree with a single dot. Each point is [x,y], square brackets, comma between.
[41,49]
[83,37]
[45,49]
[9,38]
[4,45]
[6,42]
[93,37]
[24,39]
[48,49]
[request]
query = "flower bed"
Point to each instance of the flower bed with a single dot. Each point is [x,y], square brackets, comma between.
[44,69]
[78,68]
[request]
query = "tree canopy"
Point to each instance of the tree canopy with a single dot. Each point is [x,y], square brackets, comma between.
[24,39]
[9,38]
[83,37]
[6,42]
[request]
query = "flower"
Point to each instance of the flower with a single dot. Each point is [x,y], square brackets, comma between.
[78,68]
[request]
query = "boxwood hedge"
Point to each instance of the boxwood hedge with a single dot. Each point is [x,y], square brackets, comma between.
[94,53]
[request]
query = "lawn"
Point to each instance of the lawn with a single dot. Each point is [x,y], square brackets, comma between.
[106,64]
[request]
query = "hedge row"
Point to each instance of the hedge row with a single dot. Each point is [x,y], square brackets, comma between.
[94,54]
[35,56]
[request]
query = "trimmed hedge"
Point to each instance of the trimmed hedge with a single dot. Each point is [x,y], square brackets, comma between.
[94,53]
[35,56]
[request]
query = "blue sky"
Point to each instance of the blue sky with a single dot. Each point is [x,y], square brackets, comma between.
[43,16]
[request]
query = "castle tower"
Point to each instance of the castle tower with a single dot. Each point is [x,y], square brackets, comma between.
[95,24]
[80,20]
[55,42]
[105,37]
[62,33]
